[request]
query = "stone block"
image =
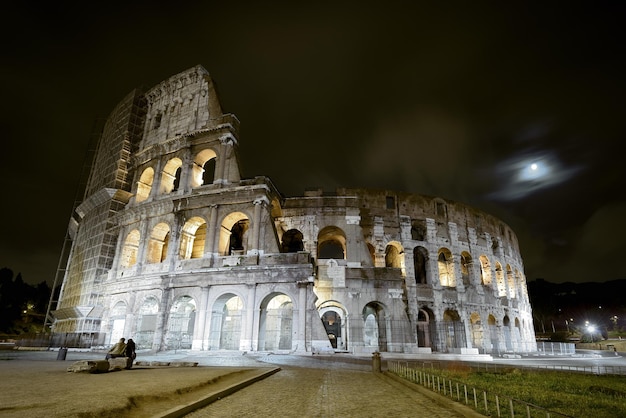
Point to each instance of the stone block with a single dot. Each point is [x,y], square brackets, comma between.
[89,366]
[119,363]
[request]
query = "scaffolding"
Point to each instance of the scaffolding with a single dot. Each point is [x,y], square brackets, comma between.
[94,137]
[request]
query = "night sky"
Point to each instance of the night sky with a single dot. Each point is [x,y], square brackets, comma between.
[452,100]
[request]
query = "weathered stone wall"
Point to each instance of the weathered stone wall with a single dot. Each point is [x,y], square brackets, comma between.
[192,256]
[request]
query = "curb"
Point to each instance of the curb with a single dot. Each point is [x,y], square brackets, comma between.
[183,410]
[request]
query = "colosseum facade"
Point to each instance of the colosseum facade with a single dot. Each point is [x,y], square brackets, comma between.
[173,248]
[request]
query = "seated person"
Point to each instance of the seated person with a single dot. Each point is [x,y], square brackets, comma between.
[118,350]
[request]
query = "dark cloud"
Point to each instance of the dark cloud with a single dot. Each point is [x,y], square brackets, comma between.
[454,100]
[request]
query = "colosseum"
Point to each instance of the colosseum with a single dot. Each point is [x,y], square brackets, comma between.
[170,246]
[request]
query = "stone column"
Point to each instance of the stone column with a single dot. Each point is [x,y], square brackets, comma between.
[161,323]
[247,342]
[259,204]
[212,235]
[200,325]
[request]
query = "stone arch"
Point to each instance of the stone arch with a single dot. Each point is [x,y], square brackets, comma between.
[420,262]
[180,323]
[331,243]
[158,243]
[493,332]
[292,241]
[424,319]
[146,322]
[276,322]
[450,332]
[374,327]
[477,331]
[466,268]
[394,255]
[506,328]
[510,278]
[203,169]
[130,249]
[500,280]
[418,230]
[233,233]
[333,315]
[485,271]
[226,322]
[170,176]
[118,321]
[193,238]
[445,264]
[144,185]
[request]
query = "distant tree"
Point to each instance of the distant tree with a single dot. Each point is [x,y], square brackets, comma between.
[22,306]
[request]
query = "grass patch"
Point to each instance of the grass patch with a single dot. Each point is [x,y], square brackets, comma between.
[573,394]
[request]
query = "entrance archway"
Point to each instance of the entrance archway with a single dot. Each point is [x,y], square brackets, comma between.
[276,323]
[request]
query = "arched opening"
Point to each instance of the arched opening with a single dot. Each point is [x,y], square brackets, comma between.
[331,243]
[118,322]
[158,243]
[203,169]
[292,241]
[500,280]
[394,256]
[446,268]
[506,328]
[424,317]
[144,185]
[233,234]
[181,323]
[193,238]
[420,258]
[466,268]
[485,271]
[276,322]
[477,330]
[493,332]
[130,249]
[226,323]
[170,176]
[511,282]
[374,327]
[450,332]
[146,323]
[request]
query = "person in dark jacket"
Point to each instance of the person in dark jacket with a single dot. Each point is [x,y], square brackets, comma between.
[130,349]
[130,353]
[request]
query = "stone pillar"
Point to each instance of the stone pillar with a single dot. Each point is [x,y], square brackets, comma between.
[212,235]
[144,242]
[161,323]
[200,325]
[247,342]
[300,342]
[259,204]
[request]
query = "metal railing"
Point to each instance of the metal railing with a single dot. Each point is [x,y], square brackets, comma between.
[490,404]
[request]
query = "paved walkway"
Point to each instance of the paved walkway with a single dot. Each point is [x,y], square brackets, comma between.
[36,384]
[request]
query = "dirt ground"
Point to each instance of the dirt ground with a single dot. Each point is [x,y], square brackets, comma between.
[44,388]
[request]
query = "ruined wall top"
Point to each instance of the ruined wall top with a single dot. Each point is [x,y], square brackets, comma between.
[183,103]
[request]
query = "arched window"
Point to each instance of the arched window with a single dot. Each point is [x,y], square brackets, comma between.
[193,238]
[203,169]
[144,185]
[420,258]
[159,240]
[331,243]
[130,249]
[446,268]
[292,241]
[170,177]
